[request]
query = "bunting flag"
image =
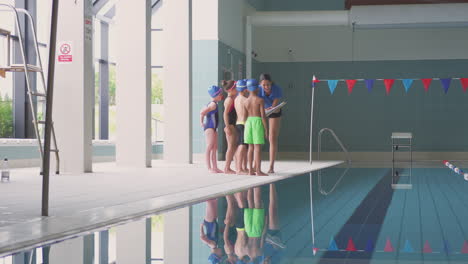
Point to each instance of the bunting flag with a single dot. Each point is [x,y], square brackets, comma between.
[408,248]
[464,83]
[446,247]
[464,249]
[350,84]
[369,84]
[407,83]
[332,246]
[388,85]
[332,85]
[427,248]
[426,83]
[369,246]
[350,246]
[446,84]
[388,246]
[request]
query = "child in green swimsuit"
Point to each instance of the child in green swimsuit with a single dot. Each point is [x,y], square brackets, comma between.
[255,128]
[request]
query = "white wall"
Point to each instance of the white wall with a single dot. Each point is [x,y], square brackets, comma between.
[204,19]
[232,18]
[335,44]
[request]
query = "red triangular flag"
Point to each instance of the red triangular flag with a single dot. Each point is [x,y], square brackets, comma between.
[426,83]
[350,84]
[465,248]
[427,248]
[388,85]
[464,83]
[350,246]
[388,246]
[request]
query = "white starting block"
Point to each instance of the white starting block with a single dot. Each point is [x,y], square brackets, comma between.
[402,141]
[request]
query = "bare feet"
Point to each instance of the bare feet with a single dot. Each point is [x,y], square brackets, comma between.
[216,170]
[242,172]
[229,171]
[271,170]
[251,172]
[260,173]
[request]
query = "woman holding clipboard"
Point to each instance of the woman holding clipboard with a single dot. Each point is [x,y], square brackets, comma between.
[271,94]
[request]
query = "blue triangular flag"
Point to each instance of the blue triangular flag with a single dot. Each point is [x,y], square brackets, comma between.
[332,246]
[446,83]
[332,85]
[369,84]
[446,247]
[369,246]
[407,83]
[408,248]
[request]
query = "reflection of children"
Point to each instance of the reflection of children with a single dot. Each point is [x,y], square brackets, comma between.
[209,122]
[255,127]
[255,223]
[209,231]
[230,118]
[241,155]
[230,231]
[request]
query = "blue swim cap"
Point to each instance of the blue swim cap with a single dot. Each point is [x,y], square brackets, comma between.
[252,84]
[214,91]
[241,85]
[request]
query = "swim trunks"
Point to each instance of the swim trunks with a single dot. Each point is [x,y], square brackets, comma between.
[254,221]
[254,132]
[240,131]
[239,220]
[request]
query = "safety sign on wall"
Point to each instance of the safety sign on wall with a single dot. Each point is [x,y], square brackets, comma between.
[65,52]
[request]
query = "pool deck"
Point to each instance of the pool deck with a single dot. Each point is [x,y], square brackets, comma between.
[111,195]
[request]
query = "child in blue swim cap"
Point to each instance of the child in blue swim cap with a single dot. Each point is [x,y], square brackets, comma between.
[209,121]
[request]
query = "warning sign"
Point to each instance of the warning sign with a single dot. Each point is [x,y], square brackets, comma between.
[65,52]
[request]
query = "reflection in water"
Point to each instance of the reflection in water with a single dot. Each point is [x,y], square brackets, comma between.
[251,231]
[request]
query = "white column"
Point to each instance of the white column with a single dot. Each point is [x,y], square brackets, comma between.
[134,242]
[68,251]
[177,236]
[133,96]
[178,84]
[74,82]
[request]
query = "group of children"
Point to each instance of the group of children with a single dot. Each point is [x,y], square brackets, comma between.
[246,126]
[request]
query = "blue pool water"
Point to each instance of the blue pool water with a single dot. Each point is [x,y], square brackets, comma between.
[358,218]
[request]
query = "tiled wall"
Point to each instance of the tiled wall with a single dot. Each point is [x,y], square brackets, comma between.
[363,120]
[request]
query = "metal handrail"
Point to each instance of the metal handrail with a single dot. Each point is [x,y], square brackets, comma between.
[337,140]
[321,190]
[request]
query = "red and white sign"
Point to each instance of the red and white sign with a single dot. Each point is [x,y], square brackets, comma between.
[65,52]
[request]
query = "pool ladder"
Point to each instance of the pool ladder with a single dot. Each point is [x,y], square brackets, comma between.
[343,148]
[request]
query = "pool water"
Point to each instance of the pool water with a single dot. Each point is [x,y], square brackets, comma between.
[337,215]
[357,218]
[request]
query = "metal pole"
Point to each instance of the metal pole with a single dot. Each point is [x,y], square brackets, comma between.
[311,121]
[48,116]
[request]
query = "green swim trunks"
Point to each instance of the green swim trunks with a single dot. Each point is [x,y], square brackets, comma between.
[254,221]
[254,132]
